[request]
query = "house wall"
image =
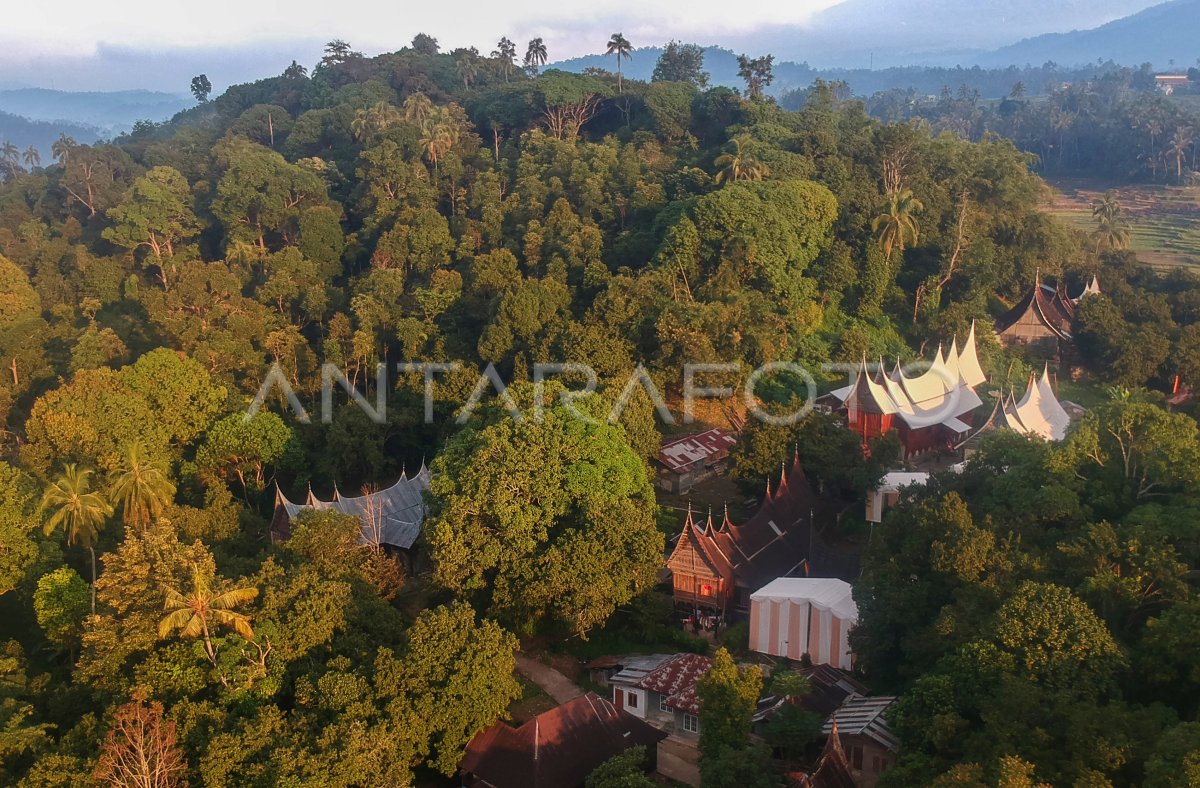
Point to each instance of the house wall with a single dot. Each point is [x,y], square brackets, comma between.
[868,759]
[631,699]
[679,723]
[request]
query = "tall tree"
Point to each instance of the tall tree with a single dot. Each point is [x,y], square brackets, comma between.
[75,508]
[897,227]
[201,88]
[739,164]
[681,63]
[535,55]
[193,612]
[142,749]
[619,47]
[544,520]
[506,53]
[32,157]
[758,73]
[141,487]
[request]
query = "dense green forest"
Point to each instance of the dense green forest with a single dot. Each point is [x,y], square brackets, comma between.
[454,207]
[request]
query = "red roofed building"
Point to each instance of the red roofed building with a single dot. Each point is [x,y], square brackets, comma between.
[558,748]
[715,566]
[683,462]
[664,694]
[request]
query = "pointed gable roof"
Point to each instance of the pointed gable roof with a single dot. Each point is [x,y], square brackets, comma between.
[1044,304]
[392,516]
[1039,410]
[969,371]
[696,555]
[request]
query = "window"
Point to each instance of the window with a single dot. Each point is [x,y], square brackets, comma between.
[691,723]
[706,590]
[631,701]
[856,757]
[662,703]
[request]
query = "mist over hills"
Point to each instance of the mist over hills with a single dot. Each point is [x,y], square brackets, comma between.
[1158,35]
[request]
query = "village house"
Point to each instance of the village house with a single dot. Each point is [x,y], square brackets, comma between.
[929,411]
[1169,83]
[869,742]
[832,769]
[684,462]
[1042,318]
[662,693]
[391,518]
[558,748]
[716,566]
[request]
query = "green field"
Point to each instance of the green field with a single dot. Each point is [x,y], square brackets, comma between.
[1165,220]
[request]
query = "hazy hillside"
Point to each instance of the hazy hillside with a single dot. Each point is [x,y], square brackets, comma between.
[1157,35]
[23,132]
[110,112]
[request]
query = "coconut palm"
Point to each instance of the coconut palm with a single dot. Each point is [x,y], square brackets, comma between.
[619,45]
[141,487]
[74,507]
[61,149]
[1179,148]
[897,227]
[1108,208]
[32,157]
[417,108]
[739,165]
[467,66]
[196,613]
[373,121]
[535,55]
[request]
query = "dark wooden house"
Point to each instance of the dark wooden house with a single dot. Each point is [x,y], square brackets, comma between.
[1040,320]
[716,566]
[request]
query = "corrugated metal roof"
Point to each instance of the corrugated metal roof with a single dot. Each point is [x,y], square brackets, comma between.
[682,452]
[863,716]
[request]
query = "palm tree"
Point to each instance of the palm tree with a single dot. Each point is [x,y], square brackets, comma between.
[61,149]
[369,123]
[81,512]
[192,613]
[10,159]
[1108,208]
[438,136]
[535,55]
[1179,146]
[1114,234]
[506,50]
[417,108]
[897,227]
[31,157]
[141,488]
[468,68]
[739,165]
[619,45]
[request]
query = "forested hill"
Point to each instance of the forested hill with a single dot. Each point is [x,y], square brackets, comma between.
[1162,35]
[1033,613]
[41,134]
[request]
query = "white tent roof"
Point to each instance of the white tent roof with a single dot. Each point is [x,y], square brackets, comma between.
[1040,412]
[969,371]
[824,593]
[393,516]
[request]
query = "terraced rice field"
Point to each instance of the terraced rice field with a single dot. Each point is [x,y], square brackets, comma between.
[1165,220]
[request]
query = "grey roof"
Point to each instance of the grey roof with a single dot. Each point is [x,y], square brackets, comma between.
[863,716]
[392,516]
[634,668]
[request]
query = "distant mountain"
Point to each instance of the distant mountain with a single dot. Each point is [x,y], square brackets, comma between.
[880,33]
[41,134]
[111,113]
[1157,35]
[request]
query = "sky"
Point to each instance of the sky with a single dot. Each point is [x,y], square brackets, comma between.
[39,47]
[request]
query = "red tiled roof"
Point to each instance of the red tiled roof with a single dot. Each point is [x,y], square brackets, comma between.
[677,680]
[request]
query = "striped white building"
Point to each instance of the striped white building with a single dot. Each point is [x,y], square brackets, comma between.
[794,616]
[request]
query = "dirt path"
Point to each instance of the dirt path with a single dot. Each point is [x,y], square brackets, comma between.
[679,761]
[556,685]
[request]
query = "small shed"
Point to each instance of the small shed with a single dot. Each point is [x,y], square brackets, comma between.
[794,616]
